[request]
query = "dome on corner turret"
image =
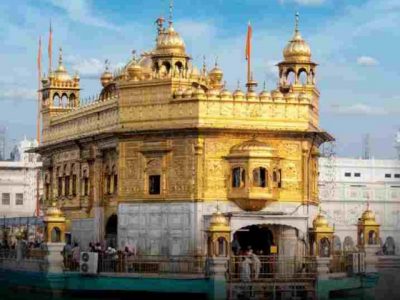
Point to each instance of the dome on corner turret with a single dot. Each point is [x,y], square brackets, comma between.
[297,50]
[169,41]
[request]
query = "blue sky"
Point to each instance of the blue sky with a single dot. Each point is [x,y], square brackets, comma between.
[356,44]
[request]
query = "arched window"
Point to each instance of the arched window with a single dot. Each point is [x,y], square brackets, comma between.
[238,177]
[324,248]
[64,101]
[337,245]
[85,183]
[260,177]
[348,244]
[372,238]
[290,77]
[56,99]
[55,235]
[303,77]
[66,181]
[221,247]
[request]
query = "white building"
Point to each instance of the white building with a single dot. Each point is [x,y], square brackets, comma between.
[18,182]
[347,185]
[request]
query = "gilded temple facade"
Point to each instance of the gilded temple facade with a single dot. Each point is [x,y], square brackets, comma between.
[148,162]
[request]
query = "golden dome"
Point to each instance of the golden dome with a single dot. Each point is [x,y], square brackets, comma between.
[368,217]
[61,73]
[320,221]
[225,94]
[251,95]
[218,222]
[106,78]
[216,74]
[169,41]
[297,50]
[238,94]
[53,211]
[134,70]
[212,93]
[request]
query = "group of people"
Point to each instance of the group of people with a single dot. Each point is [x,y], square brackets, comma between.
[108,256]
[249,266]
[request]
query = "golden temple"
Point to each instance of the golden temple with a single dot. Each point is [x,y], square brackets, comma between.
[165,141]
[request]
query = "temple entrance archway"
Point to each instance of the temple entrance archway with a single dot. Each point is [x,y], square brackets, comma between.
[259,238]
[112,230]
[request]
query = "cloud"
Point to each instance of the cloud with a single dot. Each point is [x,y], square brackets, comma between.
[80,11]
[367,61]
[88,68]
[305,2]
[358,109]
[17,93]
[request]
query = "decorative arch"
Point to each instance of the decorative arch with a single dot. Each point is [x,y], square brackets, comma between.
[56,99]
[348,244]
[111,230]
[290,76]
[55,235]
[303,76]
[389,247]
[337,244]
[64,101]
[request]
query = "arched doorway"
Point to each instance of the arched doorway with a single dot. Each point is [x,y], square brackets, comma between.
[259,238]
[112,231]
[389,247]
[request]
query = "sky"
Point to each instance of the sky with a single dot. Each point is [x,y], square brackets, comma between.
[355,42]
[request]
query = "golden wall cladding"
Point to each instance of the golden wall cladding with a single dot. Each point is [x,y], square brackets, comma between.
[174,160]
[178,167]
[218,113]
[86,124]
[217,168]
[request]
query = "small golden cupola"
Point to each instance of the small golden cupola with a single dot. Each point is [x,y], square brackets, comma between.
[169,56]
[368,229]
[321,236]
[54,222]
[255,175]
[60,91]
[297,68]
[218,235]
[216,75]
[61,73]
[107,76]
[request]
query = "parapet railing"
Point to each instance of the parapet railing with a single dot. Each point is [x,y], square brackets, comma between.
[271,268]
[121,263]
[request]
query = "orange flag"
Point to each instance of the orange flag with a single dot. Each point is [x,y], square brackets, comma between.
[248,41]
[39,58]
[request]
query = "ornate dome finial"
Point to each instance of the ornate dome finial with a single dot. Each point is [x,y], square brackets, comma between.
[297,50]
[171,7]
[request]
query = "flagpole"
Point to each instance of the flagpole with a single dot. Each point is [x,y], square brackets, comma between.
[50,47]
[39,62]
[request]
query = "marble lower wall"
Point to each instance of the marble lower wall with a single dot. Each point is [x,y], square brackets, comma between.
[180,228]
[83,231]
